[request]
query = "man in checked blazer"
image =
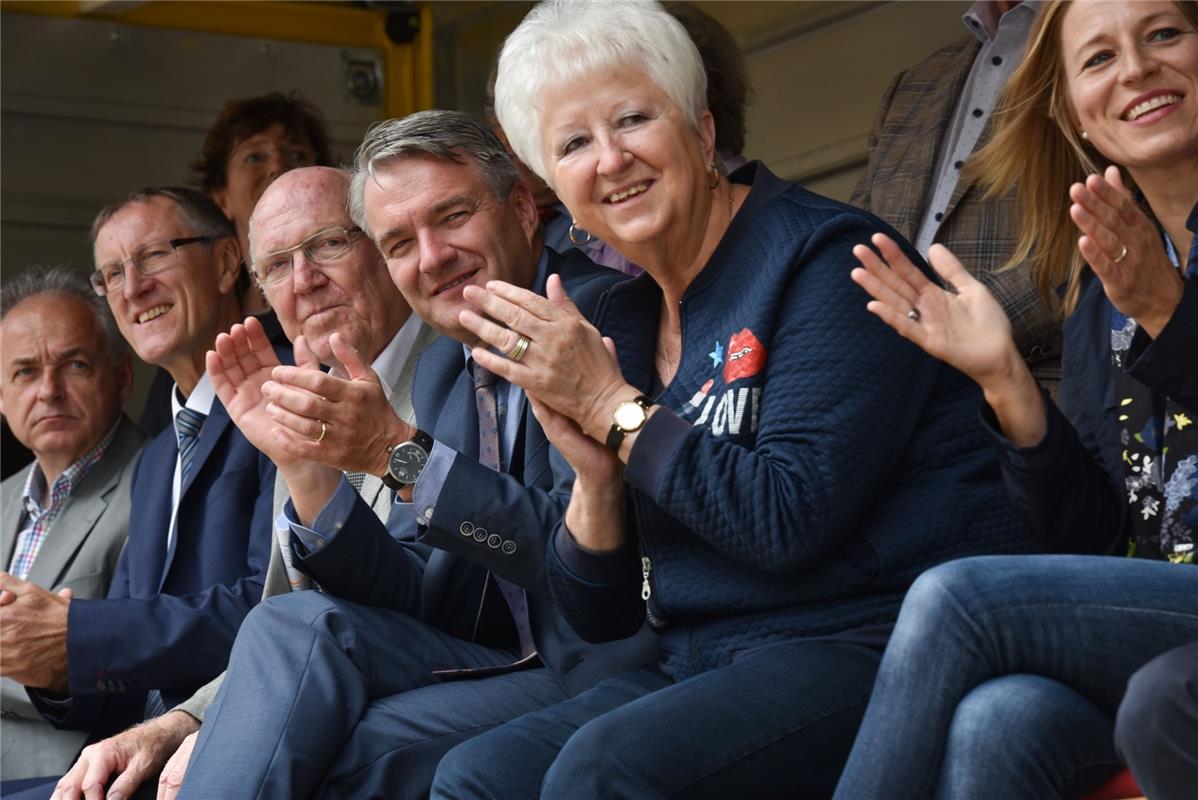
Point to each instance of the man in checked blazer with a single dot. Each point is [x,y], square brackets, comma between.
[931,119]
[65,517]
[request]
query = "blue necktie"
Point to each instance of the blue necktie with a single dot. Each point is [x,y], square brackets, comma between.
[489,456]
[187,427]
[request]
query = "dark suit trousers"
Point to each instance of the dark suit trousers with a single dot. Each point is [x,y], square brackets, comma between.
[329,698]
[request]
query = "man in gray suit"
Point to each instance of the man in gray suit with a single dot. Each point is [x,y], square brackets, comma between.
[321,276]
[65,517]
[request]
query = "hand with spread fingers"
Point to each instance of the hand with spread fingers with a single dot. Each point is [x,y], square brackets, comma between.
[1123,247]
[239,365]
[966,328]
[354,413]
[565,363]
[239,368]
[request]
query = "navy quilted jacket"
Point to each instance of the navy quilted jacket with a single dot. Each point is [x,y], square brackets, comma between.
[808,462]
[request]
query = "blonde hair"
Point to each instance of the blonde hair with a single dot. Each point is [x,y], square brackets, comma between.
[1037,153]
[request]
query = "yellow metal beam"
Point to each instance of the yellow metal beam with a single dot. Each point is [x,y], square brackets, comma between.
[409,67]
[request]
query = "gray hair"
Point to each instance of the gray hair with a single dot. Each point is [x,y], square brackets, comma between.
[61,280]
[450,135]
[197,213]
[561,41]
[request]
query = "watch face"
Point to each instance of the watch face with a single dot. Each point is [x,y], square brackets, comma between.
[407,460]
[629,416]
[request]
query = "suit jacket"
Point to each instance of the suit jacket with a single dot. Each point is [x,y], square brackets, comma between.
[486,522]
[172,612]
[81,553]
[376,496]
[908,132]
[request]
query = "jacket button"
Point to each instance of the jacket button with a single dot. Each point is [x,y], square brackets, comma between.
[480,535]
[493,541]
[508,547]
[467,528]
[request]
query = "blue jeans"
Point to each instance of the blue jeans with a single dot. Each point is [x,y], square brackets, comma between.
[329,698]
[1157,726]
[1039,649]
[776,722]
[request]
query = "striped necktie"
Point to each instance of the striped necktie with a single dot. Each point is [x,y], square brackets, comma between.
[489,456]
[187,428]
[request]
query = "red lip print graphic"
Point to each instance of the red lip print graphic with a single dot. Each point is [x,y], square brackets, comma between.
[745,358]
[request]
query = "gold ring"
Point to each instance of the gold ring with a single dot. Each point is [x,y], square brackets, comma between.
[323,430]
[1122,254]
[518,349]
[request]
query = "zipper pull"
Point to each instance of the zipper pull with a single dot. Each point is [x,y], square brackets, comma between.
[646,568]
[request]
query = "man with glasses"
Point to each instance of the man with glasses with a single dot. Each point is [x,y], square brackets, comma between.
[167,261]
[321,275]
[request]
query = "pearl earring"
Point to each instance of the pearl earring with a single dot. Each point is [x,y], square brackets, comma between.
[1085,136]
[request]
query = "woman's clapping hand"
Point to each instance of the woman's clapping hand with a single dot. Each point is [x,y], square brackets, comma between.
[1123,247]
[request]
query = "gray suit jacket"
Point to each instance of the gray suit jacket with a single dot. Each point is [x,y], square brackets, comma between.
[80,552]
[373,492]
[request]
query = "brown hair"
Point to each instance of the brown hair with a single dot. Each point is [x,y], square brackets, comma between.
[243,117]
[1037,153]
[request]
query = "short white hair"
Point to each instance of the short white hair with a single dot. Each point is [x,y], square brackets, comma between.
[566,40]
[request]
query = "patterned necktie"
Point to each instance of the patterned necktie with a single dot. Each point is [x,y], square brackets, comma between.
[489,456]
[187,428]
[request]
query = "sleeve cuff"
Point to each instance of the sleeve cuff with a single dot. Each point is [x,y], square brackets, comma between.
[654,449]
[589,566]
[427,490]
[328,522]
[1167,362]
[1038,456]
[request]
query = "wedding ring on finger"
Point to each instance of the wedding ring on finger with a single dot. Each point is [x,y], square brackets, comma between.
[913,314]
[518,349]
[1122,254]
[323,430]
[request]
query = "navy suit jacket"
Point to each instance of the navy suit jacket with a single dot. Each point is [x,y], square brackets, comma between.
[171,614]
[486,521]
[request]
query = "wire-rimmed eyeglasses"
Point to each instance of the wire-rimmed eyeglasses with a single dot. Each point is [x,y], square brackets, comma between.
[149,259]
[319,248]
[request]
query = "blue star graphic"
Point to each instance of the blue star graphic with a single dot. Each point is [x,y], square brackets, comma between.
[717,355]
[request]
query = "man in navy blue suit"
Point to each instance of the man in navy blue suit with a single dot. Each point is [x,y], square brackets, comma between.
[438,625]
[167,261]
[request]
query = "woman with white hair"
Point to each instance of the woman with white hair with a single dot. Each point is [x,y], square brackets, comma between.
[762,470]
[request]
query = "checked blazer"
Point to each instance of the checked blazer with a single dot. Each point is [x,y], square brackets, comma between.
[908,131]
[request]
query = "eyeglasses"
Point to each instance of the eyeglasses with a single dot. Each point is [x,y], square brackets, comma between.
[319,248]
[149,259]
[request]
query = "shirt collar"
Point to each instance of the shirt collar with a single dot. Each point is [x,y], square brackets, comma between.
[390,362]
[983,20]
[201,398]
[34,495]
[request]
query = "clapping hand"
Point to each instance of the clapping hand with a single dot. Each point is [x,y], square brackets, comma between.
[1123,247]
